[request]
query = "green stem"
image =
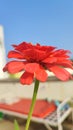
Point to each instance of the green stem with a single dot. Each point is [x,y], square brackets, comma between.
[32,104]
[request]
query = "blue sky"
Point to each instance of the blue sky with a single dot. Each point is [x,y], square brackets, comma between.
[49,22]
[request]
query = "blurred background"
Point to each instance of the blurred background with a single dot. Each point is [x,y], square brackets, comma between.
[47,22]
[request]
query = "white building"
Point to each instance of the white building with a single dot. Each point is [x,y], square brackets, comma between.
[2,55]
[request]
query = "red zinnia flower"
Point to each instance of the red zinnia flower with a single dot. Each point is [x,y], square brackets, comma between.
[34,60]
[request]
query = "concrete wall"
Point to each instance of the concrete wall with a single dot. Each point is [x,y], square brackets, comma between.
[52,90]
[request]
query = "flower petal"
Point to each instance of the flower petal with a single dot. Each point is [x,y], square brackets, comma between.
[41,74]
[34,54]
[14,66]
[60,73]
[26,78]
[61,53]
[23,46]
[44,48]
[50,60]
[65,63]
[5,67]
[14,54]
[14,45]
[32,67]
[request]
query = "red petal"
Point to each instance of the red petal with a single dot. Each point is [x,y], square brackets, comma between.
[61,53]
[33,54]
[44,48]
[38,55]
[41,75]
[14,45]
[26,78]
[13,54]
[32,67]
[23,46]
[50,60]
[60,73]
[5,67]
[65,63]
[15,66]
